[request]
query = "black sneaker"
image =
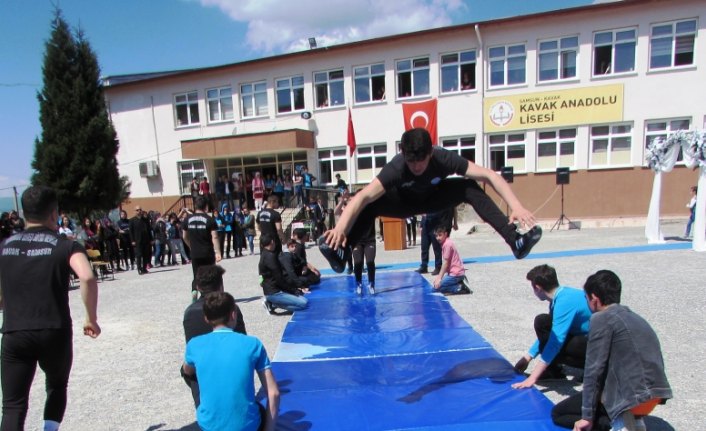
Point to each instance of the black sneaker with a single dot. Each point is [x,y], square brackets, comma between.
[422,270]
[465,286]
[268,306]
[524,243]
[436,271]
[336,258]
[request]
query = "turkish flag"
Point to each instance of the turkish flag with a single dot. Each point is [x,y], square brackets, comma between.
[422,114]
[351,132]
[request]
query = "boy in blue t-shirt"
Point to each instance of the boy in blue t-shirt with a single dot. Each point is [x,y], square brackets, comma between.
[224,363]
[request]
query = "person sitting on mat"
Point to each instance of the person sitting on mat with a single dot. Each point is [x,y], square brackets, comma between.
[561,334]
[624,376]
[415,181]
[451,279]
[302,267]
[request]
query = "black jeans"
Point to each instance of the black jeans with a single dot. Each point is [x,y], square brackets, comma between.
[429,239]
[21,351]
[568,411]
[364,249]
[449,193]
[572,353]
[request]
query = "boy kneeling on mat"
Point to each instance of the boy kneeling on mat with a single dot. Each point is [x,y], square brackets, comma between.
[225,363]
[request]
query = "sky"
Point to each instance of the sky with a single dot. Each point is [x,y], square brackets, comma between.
[137,36]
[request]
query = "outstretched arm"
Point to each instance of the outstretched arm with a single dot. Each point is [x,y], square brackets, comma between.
[89,292]
[268,382]
[336,237]
[517,211]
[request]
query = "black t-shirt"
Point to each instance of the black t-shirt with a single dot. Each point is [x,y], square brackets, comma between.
[200,226]
[34,277]
[396,176]
[267,220]
[195,325]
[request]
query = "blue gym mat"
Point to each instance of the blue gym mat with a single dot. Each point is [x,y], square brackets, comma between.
[401,359]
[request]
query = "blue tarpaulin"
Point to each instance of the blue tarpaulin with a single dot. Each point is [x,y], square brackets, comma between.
[401,359]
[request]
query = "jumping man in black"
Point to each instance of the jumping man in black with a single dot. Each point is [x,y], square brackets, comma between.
[415,181]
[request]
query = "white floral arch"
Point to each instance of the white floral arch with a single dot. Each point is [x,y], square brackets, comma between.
[661,157]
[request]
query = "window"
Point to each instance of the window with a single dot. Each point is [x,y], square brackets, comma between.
[413,77]
[463,146]
[189,171]
[555,148]
[186,109]
[610,145]
[557,58]
[369,83]
[220,104]
[672,44]
[254,99]
[664,128]
[332,162]
[370,160]
[290,94]
[328,88]
[507,150]
[507,65]
[458,71]
[614,52]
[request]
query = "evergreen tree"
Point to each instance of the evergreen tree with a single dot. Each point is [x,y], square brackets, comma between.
[76,154]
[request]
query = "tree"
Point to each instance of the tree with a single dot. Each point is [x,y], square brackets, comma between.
[76,154]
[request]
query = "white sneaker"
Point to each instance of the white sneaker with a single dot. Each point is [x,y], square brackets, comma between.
[371,288]
[359,289]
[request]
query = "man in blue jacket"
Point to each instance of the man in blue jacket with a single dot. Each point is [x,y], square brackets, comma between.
[561,334]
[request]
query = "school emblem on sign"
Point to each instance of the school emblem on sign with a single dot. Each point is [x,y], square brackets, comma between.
[501,113]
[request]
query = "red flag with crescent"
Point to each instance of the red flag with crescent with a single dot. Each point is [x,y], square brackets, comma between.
[351,132]
[422,114]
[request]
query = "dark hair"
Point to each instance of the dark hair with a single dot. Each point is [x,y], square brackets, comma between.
[38,202]
[605,285]
[300,233]
[200,203]
[266,239]
[273,199]
[218,307]
[441,229]
[415,144]
[209,278]
[291,242]
[544,277]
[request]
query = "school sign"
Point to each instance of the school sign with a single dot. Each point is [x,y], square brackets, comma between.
[588,105]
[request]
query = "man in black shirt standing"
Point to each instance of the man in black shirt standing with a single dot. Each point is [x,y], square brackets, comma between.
[415,181]
[35,266]
[202,238]
[208,279]
[270,222]
[141,236]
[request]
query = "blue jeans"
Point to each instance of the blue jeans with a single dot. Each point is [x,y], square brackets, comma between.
[250,243]
[288,301]
[451,284]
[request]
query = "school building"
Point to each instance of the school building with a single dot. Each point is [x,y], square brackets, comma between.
[584,88]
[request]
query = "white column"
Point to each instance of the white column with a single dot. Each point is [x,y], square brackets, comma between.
[652,228]
[699,227]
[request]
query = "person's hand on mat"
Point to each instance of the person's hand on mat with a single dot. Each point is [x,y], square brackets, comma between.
[437,283]
[583,425]
[526,383]
[335,238]
[524,216]
[521,365]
